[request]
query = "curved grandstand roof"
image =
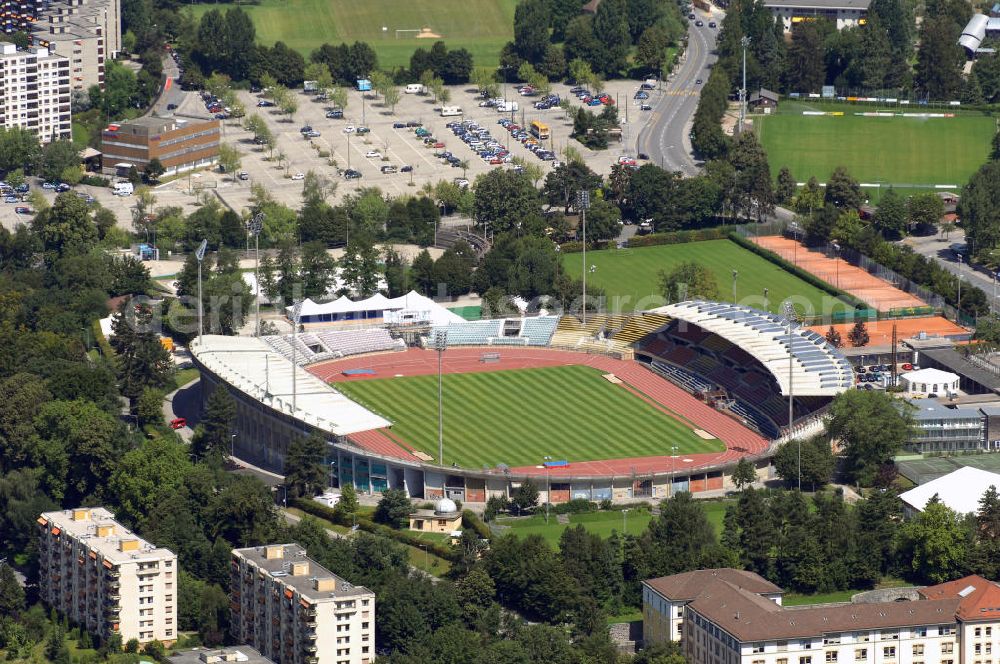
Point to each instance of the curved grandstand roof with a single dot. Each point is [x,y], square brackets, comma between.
[256,369]
[818,369]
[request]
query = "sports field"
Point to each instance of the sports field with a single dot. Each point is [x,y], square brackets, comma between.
[884,150]
[481,26]
[631,276]
[517,417]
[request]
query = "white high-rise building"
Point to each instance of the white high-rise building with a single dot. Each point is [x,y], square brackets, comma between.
[35,92]
[97,573]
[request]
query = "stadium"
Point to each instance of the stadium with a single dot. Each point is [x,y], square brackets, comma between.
[619,407]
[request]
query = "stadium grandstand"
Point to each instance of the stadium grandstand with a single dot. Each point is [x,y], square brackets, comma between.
[737,359]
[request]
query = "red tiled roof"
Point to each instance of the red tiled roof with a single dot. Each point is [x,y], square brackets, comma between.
[979,598]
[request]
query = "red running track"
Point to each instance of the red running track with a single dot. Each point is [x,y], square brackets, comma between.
[739,440]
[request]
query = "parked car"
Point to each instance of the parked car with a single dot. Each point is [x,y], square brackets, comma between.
[171,107]
[363,130]
[399,125]
[20,209]
[49,185]
[305,129]
[10,199]
[349,129]
[299,176]
[373,154]
[243,175]
[711,24]
[406,169]
[61,187]
[335,114]
[699,23]
[645,107]
[389,168]
[313,134]
[351,174]
[330,499]
[178,423]
[22,188]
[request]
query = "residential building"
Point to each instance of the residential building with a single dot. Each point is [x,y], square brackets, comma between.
[729,623]
[664,599]
[18,15]
[88,32]
[295,611]
[35,92]
[180,145]
[243,654]
[444,518]
[842,13]
[97,573]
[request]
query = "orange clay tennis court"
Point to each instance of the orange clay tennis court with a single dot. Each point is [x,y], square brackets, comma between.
[876,293]
[880,332]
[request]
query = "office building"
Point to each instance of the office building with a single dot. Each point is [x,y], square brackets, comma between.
[180,145]
[728,621]
[242,654]
[98,574]
[87,32]
[34,92]
[940,428]
[842,13]
[295,611]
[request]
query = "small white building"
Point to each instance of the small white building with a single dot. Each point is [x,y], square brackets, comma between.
[924,382]
[960,490]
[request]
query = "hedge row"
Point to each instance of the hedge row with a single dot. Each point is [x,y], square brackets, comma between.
[473,522]
[402,536]
[808,277]
[102,341]
[681,237]
[577,247]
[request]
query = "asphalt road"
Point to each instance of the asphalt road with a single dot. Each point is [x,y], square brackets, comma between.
[665,136]
[939,248]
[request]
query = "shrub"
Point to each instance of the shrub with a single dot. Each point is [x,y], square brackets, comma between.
[95,181]
[575,506]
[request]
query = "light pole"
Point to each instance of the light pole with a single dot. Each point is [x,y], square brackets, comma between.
[624,521]
[765,298]
[296,315]
[790,318]
[440,344]
[744,42]
[582,203]
[673,469]
[735,275]
[232,445]
[548,486]
[200,255]
[836,261]
[255,226]
[958,304]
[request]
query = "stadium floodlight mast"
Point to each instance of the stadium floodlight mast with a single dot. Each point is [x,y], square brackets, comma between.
[548,486]
[296,316]
[582,203]
[673,469]
[440,344]
[255,225]
[735,274]
[200,255]
[744,42]
[789,311]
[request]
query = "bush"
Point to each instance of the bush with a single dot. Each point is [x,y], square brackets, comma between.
[473,522]
[95,181]
[575,506]
[101,340]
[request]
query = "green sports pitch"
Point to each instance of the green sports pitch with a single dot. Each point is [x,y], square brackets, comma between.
[909,153]
[480,26]
[517,417]
[630,276]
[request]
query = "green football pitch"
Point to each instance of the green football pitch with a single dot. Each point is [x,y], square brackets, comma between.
[480,26]
[905,152]
[630,282]
[517,417]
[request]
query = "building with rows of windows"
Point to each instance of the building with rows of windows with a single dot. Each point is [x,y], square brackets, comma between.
[735,617]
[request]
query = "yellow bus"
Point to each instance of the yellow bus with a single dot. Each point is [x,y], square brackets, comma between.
[539,130]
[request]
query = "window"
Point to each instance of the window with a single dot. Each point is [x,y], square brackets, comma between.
[831,656]
[989,631]
[919,631]
[757,648]
[889,652]
[947,648]
[831,640]
[946,630]
[918,649]
[782,660]
[979,648]
[861,653]
[979,632]
[807,659]
[758,661]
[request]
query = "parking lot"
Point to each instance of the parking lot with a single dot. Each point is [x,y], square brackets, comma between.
[397,146]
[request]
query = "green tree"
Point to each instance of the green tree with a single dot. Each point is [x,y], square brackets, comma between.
[316,270]
[677,540]
[348,503]
[19,149]
[858,336]
[805,70]
[611,29]
[786,187]
[394,508]
[688,281]
[935,543]
[305,467]
[423,273]
[754,191]
[817,461]
[65,228]
[212,438]
[744,474]
[11,593]
[924,210]
[979,207]
[833,337]
[890,218]
[531,30]
[871,427]
[503,199]
[525,497]
[141,359]
[938,71]
[843,190]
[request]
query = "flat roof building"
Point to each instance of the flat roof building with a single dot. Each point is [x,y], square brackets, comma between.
[88,32]
[97,573]
[180,145]
[35,92]
[960,490]
[295,611]
[843,13]
[243,654]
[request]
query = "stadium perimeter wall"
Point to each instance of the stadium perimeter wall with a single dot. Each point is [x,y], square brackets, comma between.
[263,435]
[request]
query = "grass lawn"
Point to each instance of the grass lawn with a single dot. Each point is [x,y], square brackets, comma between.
[887,150]
[517,417]
[602,523]
[796,599]
[482,27]
[630,275]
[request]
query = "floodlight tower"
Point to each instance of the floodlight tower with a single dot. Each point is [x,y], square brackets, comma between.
[440,344]
[200,255]
[582,203]
[744,42]
[789,312]
[296,315]
[255,225]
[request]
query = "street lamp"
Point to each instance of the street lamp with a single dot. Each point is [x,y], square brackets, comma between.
[789,311]
[255,226]
[200,255]
[296,316]
[765,298]
[624,521]
[440,344]
[232,445]
[582,203]
[548,486]
[836,261]
[744,42]
[735,275]
[673,469]
[961,277]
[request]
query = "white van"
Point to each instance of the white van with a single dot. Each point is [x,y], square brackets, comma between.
[414,89]
[123,189]
[507,107]
[447,111]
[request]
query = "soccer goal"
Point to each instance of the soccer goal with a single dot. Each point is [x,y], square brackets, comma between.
[412,33]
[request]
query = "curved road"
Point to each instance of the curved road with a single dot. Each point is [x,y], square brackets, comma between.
[665,136]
